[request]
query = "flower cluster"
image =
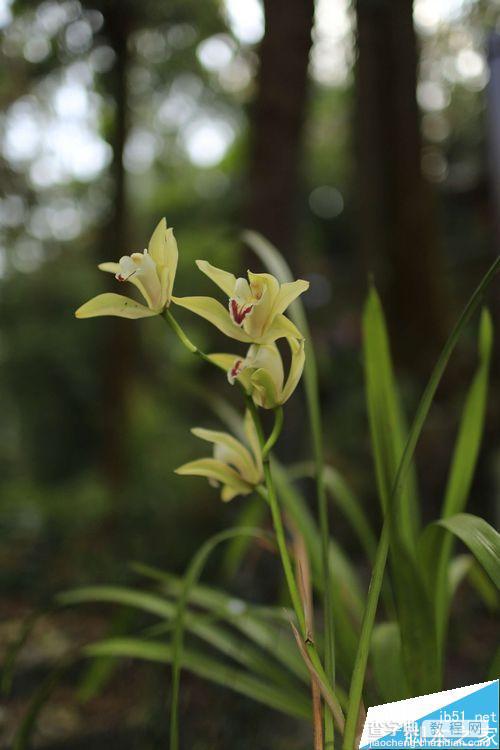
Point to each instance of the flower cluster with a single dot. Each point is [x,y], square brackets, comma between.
[254,315]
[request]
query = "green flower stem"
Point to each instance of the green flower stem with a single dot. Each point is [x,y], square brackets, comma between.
[286,561]
[312,398]
[271,440]
[167,315]
[276,516]
[269,494]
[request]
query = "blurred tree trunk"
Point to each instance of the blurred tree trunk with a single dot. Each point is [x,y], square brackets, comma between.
[277,120]
[397,221]
[119,336]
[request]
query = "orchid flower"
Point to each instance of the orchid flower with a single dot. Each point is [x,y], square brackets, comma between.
[261,372]
[152,272]
[255,307]
[235,466]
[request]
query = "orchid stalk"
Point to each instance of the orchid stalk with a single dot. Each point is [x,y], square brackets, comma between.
[254,316]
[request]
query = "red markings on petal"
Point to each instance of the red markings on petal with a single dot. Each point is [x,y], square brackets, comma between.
[239,312]
[235,370]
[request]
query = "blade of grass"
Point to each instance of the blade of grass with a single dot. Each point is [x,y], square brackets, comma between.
[200,626]
[209,669]
[14,650]
[252,515]
[405,463]
[386,657]
[413,603]
[460,477]
[191,577]
[22,740]
[264,626]
[386,419]
[481,538]
[346,500]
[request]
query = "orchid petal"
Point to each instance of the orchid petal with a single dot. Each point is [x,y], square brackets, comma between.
[116,305]
[156,246]
[228,493]
[267,357]
[282,327]
[224,280]
[264,288]
[288,293]
[172,258]
[235,453]
[215,313]
[164,252]
[227,362]
[218,471]
[115,268]
[296,368]
[264,389]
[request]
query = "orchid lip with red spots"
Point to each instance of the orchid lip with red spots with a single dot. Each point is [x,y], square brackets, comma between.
[239,312]
[235,371]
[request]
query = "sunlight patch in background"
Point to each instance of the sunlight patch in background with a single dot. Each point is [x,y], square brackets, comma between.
[207,140]
[5,13]
[429,14]
[333,42]
[246,20]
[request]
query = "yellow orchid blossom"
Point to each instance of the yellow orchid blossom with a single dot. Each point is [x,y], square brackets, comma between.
[256,306]
[152,272]
[262,374]
[235,466]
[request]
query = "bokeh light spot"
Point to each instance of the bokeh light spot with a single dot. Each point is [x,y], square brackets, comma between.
[326,202]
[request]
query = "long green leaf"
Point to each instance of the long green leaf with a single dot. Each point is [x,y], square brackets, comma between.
[267,627]
[466,567]
[404,465]
[484,586]
[22,740]
[388,670]
[471,426]
[387,429]
[252,514]
[215,635]
[14,650]
[481,538]
[439,547]
[346,500]
[191,577]
[207,668]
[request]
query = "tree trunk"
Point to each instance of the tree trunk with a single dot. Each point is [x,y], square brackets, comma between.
[277,120]
[118,335]
[397,222]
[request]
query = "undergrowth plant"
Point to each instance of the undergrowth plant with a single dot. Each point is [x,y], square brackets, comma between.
[292,660]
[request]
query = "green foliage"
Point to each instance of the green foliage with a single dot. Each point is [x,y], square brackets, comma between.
[388,670]
[411,596]
[481,538]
